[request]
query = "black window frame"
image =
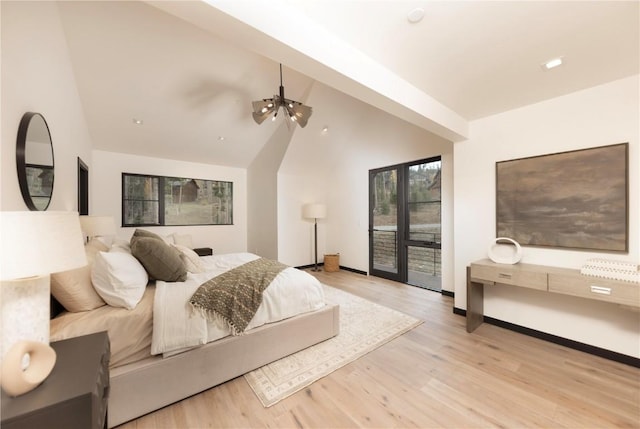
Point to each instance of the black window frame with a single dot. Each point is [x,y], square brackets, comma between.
[161,200]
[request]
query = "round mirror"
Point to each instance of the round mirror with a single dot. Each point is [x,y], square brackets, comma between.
[34,157]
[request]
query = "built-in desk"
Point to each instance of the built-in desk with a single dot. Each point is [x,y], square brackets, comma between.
[546,279]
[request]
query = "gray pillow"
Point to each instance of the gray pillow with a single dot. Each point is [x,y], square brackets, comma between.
[161,261]
[144,233]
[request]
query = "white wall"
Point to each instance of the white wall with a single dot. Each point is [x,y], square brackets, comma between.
[262,194]
[598,116]
[37,77]
[295,234]
[105,182]
[334,169]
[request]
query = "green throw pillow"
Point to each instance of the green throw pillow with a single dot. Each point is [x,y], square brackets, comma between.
[161,261]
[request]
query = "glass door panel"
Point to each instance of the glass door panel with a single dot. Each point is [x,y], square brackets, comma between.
[424,267]
[385,254]
[383,223]
[424,224]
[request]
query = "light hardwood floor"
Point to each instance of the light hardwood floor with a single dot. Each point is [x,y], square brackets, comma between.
[435,376]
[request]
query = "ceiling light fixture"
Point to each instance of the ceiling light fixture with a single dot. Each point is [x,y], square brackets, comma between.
[138,121]
[296,111]
[552,63]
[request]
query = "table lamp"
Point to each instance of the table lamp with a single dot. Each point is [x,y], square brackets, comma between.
[314,211]
[33,245]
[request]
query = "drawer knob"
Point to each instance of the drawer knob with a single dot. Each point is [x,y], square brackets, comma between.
[601,290]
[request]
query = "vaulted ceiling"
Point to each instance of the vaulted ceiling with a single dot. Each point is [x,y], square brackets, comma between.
[190,69]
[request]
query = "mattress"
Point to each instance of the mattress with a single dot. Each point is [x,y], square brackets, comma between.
[132,334]
[175,328]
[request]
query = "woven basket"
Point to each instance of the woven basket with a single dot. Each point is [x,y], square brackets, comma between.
[332,263]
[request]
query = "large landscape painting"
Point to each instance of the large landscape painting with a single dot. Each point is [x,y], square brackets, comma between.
[575,199]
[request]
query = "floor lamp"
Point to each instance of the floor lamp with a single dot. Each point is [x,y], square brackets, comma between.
[315,212]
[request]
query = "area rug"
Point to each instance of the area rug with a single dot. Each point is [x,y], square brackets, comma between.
[364,326]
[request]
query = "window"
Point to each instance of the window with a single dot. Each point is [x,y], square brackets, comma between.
[159,200]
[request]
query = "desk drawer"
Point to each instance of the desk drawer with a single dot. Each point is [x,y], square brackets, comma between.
[595,288]
[509,275]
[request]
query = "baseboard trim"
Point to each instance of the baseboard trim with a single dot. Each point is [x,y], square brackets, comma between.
[448,293]
[353,270]
[342,267]
[305,267]
[460,311]
[576,345]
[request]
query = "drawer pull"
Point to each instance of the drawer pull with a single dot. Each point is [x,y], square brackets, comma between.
[504,276]
[601,290]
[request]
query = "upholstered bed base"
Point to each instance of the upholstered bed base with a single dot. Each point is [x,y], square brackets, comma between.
[145,386]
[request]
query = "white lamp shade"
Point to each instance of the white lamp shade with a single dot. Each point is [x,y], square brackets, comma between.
[39,243]
[97,226]
[314,211]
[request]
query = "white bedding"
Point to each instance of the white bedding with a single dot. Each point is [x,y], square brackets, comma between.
[176,328]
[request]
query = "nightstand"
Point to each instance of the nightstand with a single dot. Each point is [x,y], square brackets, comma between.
[73,396]
[204,251]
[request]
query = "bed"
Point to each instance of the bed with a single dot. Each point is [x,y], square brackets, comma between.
[158,359]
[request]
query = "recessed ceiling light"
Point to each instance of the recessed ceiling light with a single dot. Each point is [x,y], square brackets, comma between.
[415,15]
[552,63]
[325,130]
[220,138]
[138,121]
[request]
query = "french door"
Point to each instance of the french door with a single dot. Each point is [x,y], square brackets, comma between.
[404,223]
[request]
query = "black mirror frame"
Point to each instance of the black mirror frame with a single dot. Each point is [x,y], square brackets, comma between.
[21,163]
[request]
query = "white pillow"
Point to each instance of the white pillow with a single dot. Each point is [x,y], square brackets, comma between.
[183,240]
[120,244]
[92,248]
[107,240]
[191,260]
[119,279]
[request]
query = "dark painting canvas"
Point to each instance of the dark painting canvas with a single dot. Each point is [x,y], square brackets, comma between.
[572,199]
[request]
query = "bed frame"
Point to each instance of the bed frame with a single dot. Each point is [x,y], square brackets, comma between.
[148,385]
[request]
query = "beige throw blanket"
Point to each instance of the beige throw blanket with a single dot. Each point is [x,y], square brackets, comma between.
[235,296]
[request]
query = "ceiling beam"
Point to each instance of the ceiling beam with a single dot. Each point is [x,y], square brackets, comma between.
[287,36]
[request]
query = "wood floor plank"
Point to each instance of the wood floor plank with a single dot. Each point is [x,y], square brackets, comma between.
[434,376]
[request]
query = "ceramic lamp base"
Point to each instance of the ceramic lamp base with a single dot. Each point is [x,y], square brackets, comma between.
[24,311]
[18,380]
